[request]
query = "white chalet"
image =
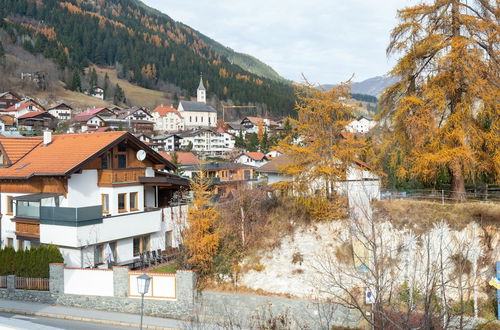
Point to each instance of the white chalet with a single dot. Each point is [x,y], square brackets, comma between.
[361,125]
[198,114]
[61,111]
[167,119]
[88,193]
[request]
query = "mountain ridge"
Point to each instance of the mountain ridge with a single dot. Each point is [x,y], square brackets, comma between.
[374,86]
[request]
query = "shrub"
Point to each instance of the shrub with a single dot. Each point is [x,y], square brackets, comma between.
[29,263]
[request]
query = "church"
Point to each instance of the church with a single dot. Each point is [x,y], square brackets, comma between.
[198,114]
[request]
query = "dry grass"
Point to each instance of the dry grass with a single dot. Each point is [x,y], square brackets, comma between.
[135,95]
[421,215]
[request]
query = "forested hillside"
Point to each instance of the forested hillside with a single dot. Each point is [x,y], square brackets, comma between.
[147,48]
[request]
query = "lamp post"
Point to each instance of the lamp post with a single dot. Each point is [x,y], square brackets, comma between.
[143,288]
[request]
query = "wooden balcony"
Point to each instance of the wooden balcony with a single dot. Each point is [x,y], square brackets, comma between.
[118,177]
[27,228]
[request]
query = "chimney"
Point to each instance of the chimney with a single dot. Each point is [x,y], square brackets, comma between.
[47,138]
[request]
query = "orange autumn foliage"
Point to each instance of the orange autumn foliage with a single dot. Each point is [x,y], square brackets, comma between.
[443,116]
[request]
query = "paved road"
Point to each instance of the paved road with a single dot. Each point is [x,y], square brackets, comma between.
[16,321]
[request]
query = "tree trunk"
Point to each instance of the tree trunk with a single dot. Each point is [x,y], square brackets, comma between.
[457,182]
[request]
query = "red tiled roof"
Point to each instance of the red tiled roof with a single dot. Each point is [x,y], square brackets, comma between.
[86,115]
[257,120]
[184,158]
[258,156]
[60,157]
[163,110]
[17,147]
[23,105]
[7,119]
[32,114]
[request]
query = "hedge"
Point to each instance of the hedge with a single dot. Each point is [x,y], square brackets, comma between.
[29,263]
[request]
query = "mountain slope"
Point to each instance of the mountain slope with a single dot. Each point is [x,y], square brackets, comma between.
[371,86]
[147,48]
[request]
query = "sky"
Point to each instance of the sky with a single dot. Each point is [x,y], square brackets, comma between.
[326,40]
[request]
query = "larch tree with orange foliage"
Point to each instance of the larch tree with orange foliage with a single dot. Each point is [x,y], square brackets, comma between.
[202,236]
[322,153]
[443,115]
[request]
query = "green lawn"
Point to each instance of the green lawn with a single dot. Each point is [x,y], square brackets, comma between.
[170,268]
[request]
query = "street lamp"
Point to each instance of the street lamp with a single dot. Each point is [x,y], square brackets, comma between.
[143,288]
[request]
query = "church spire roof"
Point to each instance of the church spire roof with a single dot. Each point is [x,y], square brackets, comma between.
[200,86]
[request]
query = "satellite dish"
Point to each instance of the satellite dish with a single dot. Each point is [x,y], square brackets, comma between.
[141,155]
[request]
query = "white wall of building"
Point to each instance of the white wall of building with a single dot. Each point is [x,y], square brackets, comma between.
[83,189]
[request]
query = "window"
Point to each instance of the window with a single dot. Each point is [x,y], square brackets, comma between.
[247,175]
[10,205]
[122,147]
[122,203]
[141,244]
[168,239]
[122,161]
[105,164]
[105,203]
[190,119]
[98,254]
[112,245]
[133,201]
[10,242]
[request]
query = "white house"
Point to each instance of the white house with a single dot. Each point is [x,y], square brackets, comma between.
[361,125]
[256,159]
[98,92]
[251,124]
[61,111]
[86,193]
[23,107]
[167,119]
[198,114]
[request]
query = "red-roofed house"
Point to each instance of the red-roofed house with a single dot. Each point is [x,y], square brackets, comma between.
[167,119]
[36,121]
[62,111]
[21,108]
[256,159]
[183,158]
[92,119]
[8,99]
[88,193]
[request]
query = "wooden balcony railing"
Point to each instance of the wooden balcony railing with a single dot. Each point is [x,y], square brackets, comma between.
[107,178]
[28,229]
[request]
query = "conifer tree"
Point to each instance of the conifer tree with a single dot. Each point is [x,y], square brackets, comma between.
[119,96]
[92,80]
[76,84]
[443,113]
[106,87]
[202,235]
[2,51]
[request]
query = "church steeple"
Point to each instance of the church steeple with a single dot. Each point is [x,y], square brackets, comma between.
[201,93]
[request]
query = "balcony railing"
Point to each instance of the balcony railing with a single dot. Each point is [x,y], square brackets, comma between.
[71,216]
[119,176]
[28,229]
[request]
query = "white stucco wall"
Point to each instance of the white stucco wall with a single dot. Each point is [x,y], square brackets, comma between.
[83,189]
[90,282]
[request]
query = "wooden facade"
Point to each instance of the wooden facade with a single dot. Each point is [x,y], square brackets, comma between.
[35,185]
[26,228]
[112,177]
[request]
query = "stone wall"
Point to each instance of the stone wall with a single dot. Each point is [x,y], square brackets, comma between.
[207,306]
[249,310]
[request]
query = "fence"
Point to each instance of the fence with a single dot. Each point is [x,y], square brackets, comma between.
[27,283]
[3,281]
[443,195]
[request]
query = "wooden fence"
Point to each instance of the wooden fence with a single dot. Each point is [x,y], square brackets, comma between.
[3,281]
[27,283]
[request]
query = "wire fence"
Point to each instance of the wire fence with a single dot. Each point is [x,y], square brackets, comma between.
[443,195]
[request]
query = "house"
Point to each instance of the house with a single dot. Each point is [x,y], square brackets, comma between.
[62,111]
[224,176]
[8,99]
[7,123]
[98,92]
[23,107]
[251,124]
[361,125]
[272,170]
[167,119]
[204,141]
[273,154]
[93,118]
[198,114]
[136,113]
[229,139]
[148,140]
[36,121]
[256,159]
[87,193]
